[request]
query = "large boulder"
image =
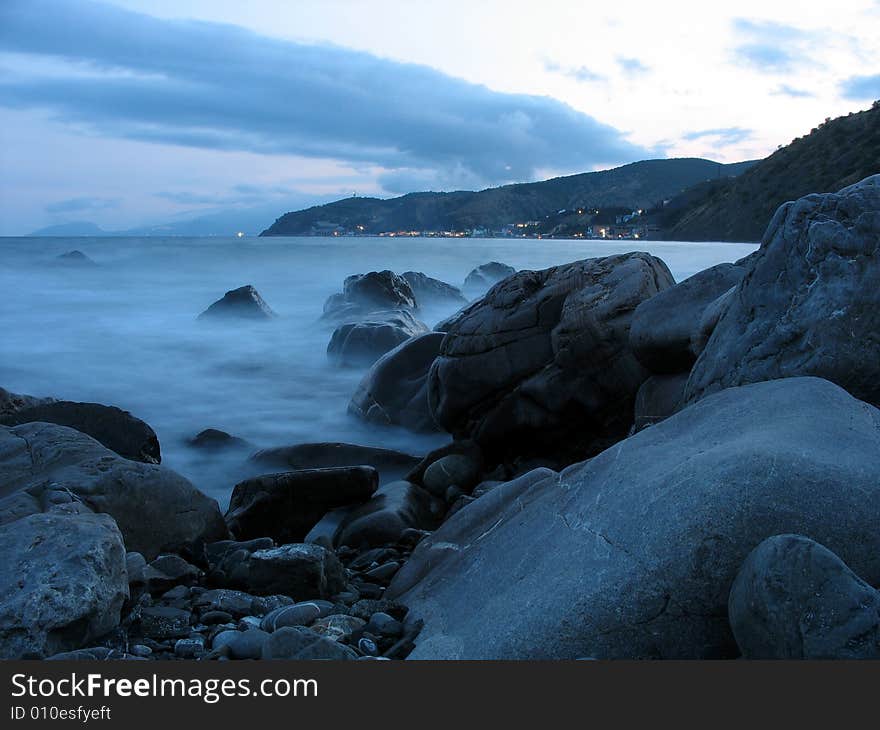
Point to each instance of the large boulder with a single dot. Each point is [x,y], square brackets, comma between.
[395,390]
[484,277]
[156,509]
[810,304]
[633,553]
[286,506]
[242,303]
[795,599]
[662,326]
[542,364]
[116,429]
[11,403]
[431,292]
[359,344]
[63,582]
[324,455]
[658,398]
[369,293]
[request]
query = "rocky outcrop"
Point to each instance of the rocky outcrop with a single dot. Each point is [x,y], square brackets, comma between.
[431,292]
[213,439]
[542,364]
[395,390]
[74,258]
[484,277]
[633,553]
[242,303]
[62,585]
[365,294]
[360,344]
[286,506]
[116,429]
[810,304]
[11,403]
[663,326]
[795,599]
[156,509]
[658,398]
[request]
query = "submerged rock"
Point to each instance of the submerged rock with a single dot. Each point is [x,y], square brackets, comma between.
[359,344]
[369,293]
[810,304]
[542,364]
[484,277]
[431,292]
[633,553]
[242,303]
[116,429]
[213,439]
[74,258]
[795,599]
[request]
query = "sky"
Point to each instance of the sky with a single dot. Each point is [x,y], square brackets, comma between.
[130,113]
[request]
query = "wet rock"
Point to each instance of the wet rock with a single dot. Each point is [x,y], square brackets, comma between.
[485,276]
[370,293]
[286,506]
[165,622]
[212,439]
[298,642]
[242,644]
[795,599]
[75,258]
[431,292]
[242,303]
[457,470]
[360,344]
[338,627]
[658,398]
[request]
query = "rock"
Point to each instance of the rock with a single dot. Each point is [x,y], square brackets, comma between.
[301,571]
[810,304]
[658,398]
[382,573]
[541,366]
[485,276]
[116,429]
[165,622]
[365,609]
[662,326]
[382,624]
[191,648]
[453,470]
[63,582]
[242,644]
[75,258]
[360,344]
[298,642]
[709,321]
[13,402]
[394,508]
[390,464]
[242,303]
[212,439]
[299,614]
[394,392]
[339,626]
[286,506]
[433,292]
[368,647]
[135,565]
[236,603]
[369,293]
[795,599]
[167,571]
[633,553]
[156,509]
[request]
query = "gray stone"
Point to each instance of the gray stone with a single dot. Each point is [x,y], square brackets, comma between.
[810,304]
[301,571]
[299,614]
[286,506]
[482,278]
[360,344]
[633,553]
[298,642]
[394,392]
[191,648]
[658,398]
[338,626]
[242,644]
[382,624]
[369,293]
[431,292]
[795,599]
[457,470]
[709,321]
[116,429]
[542,364]
[62,584]
[662,326]
[156,509]
[13,402]
[167,571]
[242,303]
[165,622]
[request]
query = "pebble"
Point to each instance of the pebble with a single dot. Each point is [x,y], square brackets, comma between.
[299,614]
[338,626]
[216,617]
[370,590]
[383,573]
[383,624]
[249,622]
[141,650]
[191,648]
[242,644]
[368,647]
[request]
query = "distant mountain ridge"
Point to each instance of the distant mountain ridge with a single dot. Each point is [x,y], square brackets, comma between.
[835,154]
[637,185]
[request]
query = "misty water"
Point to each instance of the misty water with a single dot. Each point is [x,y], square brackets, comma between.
[124,332]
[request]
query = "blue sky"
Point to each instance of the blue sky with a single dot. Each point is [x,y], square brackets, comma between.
[133,112]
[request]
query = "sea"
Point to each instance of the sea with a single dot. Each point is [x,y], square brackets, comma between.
[125,333]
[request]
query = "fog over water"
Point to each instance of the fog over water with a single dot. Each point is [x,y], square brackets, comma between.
[124,333]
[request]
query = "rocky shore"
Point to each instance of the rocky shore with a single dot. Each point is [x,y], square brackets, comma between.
[638,468]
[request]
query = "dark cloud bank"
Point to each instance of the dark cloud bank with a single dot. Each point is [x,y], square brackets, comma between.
[222,87]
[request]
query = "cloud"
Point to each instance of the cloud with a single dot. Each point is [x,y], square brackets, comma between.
[632,66]
[214,86]
[78,205]
[724,135]
[861,87]
[582,74]
[786,90]
[772,47]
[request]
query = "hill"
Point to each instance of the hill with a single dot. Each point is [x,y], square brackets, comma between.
[835,154]
[637,185]
[78,228]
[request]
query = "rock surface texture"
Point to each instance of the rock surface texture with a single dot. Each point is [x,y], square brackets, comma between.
[633,553]
[359,344]
[242,303]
